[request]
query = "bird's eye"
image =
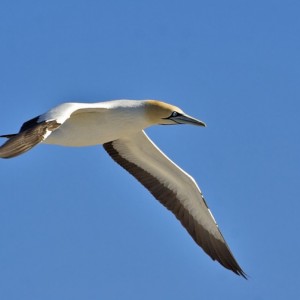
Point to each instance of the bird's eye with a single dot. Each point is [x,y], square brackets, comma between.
[174,114]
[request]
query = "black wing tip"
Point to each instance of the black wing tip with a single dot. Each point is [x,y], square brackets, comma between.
[241,273]
[235,268]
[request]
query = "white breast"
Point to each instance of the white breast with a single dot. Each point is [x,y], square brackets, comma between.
[98,127]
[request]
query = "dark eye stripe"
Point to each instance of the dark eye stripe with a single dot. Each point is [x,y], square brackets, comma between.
[174,114]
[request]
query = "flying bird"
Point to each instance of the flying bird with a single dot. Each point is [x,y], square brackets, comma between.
[119,126]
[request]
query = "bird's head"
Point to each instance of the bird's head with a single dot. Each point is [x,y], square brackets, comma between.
[166,114]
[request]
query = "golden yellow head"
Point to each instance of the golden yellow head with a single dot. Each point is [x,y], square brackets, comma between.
[158,112]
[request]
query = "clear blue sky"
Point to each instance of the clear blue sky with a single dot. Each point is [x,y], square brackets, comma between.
[74,225]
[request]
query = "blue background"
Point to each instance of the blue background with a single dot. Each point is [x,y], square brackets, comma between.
[74,225]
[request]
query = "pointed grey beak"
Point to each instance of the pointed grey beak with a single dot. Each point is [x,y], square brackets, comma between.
[185,119]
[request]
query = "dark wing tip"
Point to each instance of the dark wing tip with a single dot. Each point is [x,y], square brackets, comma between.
[215,247]
[219,250]
[241,273]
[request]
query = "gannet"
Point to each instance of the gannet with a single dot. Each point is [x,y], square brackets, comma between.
[119,126]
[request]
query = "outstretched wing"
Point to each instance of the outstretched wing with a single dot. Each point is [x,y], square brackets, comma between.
[31,133]
[176,190]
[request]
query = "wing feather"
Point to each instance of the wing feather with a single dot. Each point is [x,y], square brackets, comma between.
[176,190]
[29,136]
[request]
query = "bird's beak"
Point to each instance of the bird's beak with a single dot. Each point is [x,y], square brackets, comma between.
[185,119]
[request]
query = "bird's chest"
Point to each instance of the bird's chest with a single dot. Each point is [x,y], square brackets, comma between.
[92,130]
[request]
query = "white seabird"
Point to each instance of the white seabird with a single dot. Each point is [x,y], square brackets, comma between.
[119,126]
